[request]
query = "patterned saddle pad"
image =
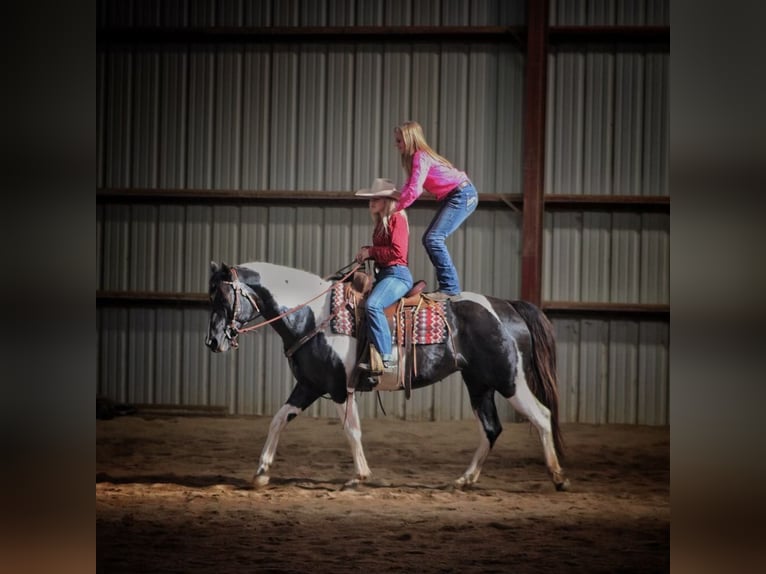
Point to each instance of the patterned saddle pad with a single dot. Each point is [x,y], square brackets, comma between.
[429,326]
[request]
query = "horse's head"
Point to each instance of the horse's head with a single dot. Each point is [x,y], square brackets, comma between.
[233,304]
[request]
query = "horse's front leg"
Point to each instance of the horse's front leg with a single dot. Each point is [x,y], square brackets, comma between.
[287,413]
[349,414]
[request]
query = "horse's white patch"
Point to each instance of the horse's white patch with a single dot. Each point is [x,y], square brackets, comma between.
[292,287]
[477,298]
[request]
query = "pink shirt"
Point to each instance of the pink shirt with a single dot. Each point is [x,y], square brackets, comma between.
[427,173]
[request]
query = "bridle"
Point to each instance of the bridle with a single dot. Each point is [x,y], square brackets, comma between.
[232,332]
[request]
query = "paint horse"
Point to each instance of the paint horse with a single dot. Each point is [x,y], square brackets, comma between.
[504,347]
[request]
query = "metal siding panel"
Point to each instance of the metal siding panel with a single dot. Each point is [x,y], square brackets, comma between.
[168,356]
[368,79]
[484,13]
[223,380]
[145,118]
[140,359]
[600,12]
[596,256]
[397,70]
[202,13]
[282,156]
[311,117]
[113,364]
[225,238]
[655,258]
[313,13]
[339,129]
[142,258]
[631,12]
[256,116]
[170,243]
[628,124]
[506,240]
[626,259]
[482,116]
[200,118]
[398,13]
[654,383]
[341,12]
[118,117]
[594,366]
[426,90]
[609,12]
[172,117]
[99,246]
[310,242]
[656,125]
[116,233]
[512,12]
[195,367]
[568,368]
[228,117]
[369,12]
[426,13]
[455,13]
[599,119]
[174,13]
[453,106]
[566,251]
[101,104]
[258,13]
[286,13]
[229,12]
[447,402]
[507,152]
[197,248]
[623,372]
[479,262]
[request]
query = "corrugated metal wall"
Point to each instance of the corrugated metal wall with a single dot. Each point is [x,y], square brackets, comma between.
[607,134]
[320,117]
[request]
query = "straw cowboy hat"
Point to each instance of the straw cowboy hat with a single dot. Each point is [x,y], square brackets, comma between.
[380,188]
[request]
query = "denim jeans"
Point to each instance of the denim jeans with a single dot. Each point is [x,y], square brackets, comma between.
[391,285]
[454,210]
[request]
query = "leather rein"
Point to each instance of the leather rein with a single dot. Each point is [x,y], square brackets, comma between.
[232,332]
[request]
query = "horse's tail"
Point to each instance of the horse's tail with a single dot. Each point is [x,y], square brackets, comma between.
[544,383]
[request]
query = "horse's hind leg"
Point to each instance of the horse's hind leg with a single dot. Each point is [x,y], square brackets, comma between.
[483,404]
[349,413]
[540,417]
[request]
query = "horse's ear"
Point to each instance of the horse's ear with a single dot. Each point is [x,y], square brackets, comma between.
[214,267]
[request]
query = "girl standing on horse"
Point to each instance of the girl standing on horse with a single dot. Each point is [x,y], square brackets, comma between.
[390,242]
[427,170]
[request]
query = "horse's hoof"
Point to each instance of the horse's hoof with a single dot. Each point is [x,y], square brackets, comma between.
[462,483]
[563,486]
[260,480]
[353,483]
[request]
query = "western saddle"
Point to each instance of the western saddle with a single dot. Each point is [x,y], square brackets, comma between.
[400,313]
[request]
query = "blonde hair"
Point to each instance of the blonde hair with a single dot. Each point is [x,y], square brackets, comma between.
[412,135]
[383,219]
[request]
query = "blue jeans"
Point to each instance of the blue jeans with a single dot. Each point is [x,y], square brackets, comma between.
[391,285]
[454,210]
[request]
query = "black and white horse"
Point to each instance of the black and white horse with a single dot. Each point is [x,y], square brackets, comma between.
[504,347]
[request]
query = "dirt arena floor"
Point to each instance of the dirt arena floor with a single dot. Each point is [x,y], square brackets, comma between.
[173,494]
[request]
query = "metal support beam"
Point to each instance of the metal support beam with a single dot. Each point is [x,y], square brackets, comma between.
[534,150]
